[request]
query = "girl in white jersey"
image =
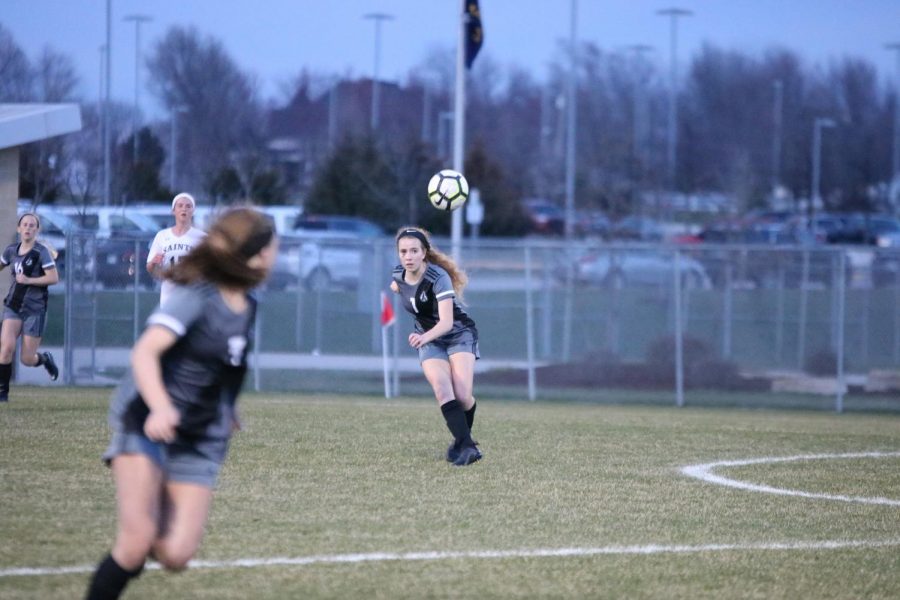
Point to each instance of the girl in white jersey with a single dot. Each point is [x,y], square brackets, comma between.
[171,244]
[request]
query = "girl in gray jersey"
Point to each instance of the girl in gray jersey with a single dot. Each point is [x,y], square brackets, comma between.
[25,305]
[430,284]
[173,415]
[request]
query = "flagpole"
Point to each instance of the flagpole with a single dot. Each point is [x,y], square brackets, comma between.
[384,356]
[387,319]
[459,121]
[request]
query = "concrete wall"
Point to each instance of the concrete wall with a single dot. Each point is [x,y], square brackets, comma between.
[9,199]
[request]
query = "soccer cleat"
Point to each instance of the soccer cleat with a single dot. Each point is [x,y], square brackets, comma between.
[467,455]
[50,365]
[453,451]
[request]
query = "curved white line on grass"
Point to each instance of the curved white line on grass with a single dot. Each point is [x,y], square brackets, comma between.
[482,554]
[704,472]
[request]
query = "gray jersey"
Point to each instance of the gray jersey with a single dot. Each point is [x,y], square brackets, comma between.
[34,263]
[204,370]
[421,300]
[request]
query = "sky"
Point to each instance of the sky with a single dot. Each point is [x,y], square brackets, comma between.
[277,39]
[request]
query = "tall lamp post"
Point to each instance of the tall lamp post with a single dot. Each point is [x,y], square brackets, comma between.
[571,114]
[895,162]
[778,100]
[671,155]
[107,155]
[639,116]
[137,20]
[815,199]
[378,18]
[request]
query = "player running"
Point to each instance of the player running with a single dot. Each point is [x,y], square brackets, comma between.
[25,306]
[431,285]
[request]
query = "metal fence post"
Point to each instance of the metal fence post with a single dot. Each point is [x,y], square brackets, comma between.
[529,326]
[839,342]
[679,355]
[801,318]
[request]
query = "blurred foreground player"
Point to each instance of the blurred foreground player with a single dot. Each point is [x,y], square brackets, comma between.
[173,415]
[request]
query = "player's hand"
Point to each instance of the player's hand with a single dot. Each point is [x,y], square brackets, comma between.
[156,261]
[236,424]
[161,423]
[395,288]
[21,278]
[415,340]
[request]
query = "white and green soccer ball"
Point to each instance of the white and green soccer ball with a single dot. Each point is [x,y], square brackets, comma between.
[448,190]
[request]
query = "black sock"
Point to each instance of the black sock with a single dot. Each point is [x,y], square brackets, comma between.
[5,374]
[40,360]
[110,579]
[456,422]
[470,416]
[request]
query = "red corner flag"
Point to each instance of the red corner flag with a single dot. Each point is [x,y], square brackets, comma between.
[387,311]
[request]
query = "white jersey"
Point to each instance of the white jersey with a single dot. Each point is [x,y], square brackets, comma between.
[172,247]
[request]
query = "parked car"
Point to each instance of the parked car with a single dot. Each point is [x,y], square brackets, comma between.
[619,268]
[325,251]
[545,217]
[637,228]
[875,230]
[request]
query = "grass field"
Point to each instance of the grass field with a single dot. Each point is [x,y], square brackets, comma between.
[350,498]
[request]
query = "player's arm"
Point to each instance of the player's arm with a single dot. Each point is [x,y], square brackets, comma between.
[50,276]
[442,327]
[147,367]
[155,256]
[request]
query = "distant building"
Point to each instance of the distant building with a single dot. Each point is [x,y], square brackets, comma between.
[301,135]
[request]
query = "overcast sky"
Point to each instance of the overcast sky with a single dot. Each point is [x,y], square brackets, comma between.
[276,39]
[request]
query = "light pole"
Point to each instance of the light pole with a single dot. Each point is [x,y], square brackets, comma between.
[378,18]
[814,200]
[107,161]
[778,99]
[572,111]
[673,14]
[895,162]
[137,19]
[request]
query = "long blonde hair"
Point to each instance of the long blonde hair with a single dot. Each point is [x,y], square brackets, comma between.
[458,277]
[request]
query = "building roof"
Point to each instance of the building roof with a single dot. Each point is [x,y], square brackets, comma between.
[24,123]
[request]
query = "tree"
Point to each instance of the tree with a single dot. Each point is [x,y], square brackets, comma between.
[15,72]
[221,127]
[44,164]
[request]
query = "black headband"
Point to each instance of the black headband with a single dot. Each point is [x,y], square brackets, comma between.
[257,242]
[416,234]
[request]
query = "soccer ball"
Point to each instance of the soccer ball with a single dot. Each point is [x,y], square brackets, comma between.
[448,190]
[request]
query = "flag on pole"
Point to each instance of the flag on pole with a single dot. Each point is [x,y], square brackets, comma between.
[474,32]
[387,311]
[387,319]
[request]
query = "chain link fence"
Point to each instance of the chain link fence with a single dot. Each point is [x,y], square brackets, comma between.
[752,325]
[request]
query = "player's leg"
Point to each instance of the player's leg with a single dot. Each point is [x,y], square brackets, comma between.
[462,371]
[32,332]
[438,373]
[138,486]
[9,333]
[185,511]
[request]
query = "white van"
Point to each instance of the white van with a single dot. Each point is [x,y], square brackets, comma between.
[109,221]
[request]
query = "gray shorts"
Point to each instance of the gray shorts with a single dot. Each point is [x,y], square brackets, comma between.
[444,346]
[33,323]
[186,462]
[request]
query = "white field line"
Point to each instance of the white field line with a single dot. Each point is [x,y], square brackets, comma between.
[481,554]
[704,472]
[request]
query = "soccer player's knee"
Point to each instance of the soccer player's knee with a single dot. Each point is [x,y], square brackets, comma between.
[28,361]
[176,559]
